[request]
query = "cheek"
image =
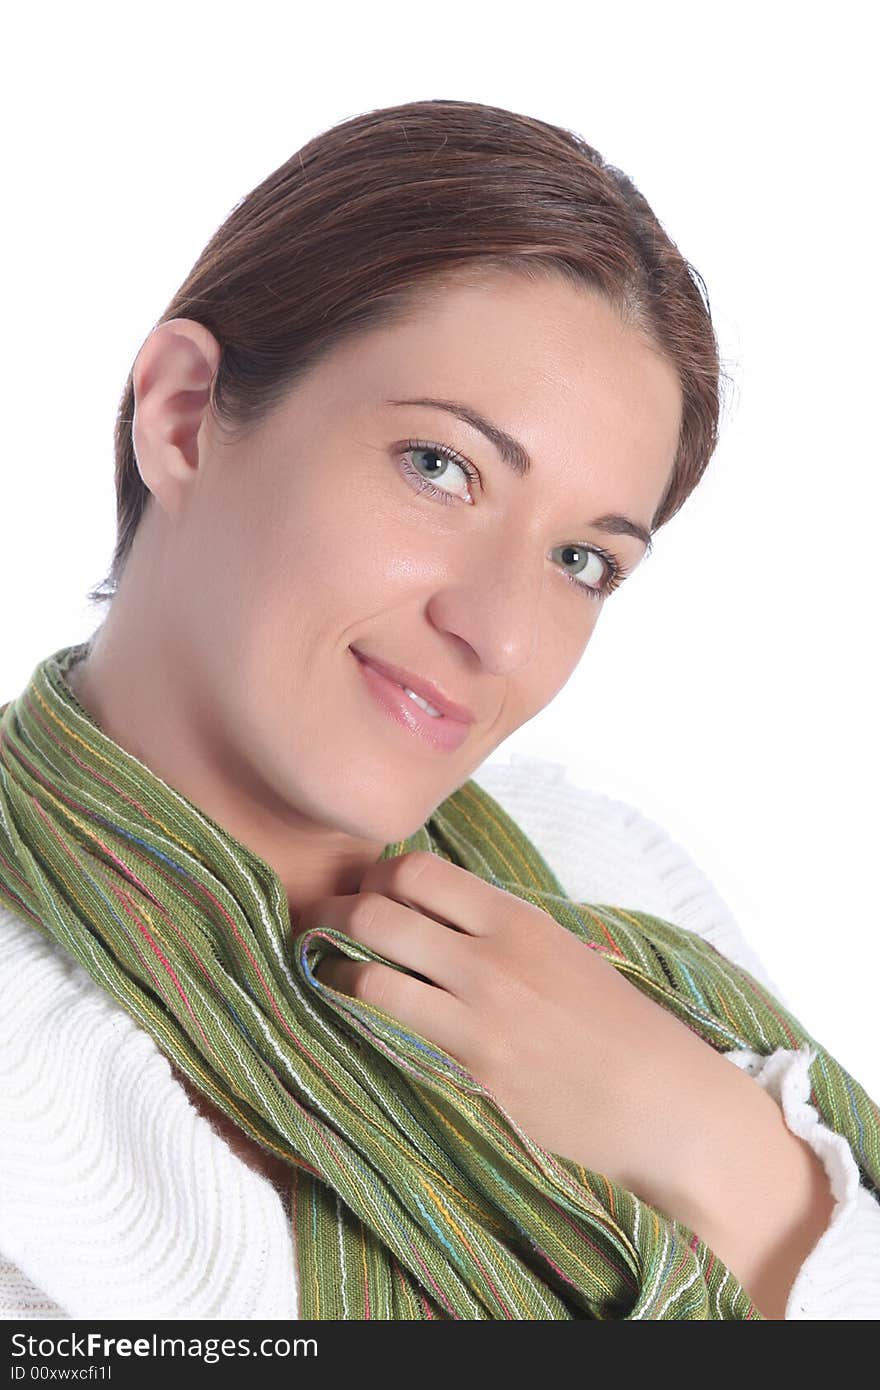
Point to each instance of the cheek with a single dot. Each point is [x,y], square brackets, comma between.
[529,692]
[568,623]
[312,594]
[561,648]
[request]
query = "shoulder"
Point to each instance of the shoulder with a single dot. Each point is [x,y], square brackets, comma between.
[53,1014]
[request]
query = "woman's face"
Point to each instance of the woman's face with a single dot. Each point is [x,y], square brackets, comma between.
[267,560]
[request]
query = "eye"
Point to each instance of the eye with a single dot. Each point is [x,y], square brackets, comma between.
[439,459]
[595,587]
[436,459]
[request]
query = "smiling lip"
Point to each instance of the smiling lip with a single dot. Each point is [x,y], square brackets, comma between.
[440,732]
[425,688]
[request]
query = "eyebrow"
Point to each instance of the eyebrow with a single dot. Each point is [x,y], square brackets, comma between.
[516,457]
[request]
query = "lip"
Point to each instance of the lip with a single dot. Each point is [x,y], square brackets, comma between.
[425,688]
[442,735]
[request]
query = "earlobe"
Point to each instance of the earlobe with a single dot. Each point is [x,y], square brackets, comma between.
[172,378]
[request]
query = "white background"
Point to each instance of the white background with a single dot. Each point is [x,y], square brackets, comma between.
[730,688]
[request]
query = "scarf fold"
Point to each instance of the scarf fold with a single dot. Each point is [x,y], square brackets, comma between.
[413,1195]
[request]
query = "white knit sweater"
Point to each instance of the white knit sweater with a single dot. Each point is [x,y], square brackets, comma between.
[119,1200]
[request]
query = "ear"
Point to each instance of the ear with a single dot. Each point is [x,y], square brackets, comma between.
[172,378]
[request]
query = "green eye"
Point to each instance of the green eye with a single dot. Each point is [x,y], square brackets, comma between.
[581,555]
[446,456]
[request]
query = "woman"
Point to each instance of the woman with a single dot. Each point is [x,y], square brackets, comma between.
[417,410]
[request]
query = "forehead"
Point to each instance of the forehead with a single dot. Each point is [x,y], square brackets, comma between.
[570,334]
[552,363]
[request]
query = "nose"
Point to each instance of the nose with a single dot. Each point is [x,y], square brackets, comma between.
[493,603]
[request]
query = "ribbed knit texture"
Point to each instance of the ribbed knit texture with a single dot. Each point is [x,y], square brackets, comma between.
[450,1211]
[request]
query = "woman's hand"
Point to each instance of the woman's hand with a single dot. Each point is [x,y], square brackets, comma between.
[584,1062]
[579,1058]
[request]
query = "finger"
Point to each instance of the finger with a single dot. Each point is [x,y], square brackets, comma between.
[418,1006]
[408,938]
[440,889]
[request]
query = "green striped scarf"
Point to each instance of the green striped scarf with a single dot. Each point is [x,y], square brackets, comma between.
[412,1193]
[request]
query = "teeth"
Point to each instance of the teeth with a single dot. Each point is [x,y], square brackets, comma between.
[421,701]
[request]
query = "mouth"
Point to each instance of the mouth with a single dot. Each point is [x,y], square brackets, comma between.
[410,710]
[430,695]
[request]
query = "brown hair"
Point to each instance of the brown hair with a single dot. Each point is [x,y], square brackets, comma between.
[344,234]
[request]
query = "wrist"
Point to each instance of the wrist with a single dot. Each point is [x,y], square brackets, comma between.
[753,1191]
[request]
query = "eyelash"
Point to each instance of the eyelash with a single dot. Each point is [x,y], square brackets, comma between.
[616,572]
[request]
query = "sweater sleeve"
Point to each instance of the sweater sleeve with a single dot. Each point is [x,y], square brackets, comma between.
[840,1278]
[635,862]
